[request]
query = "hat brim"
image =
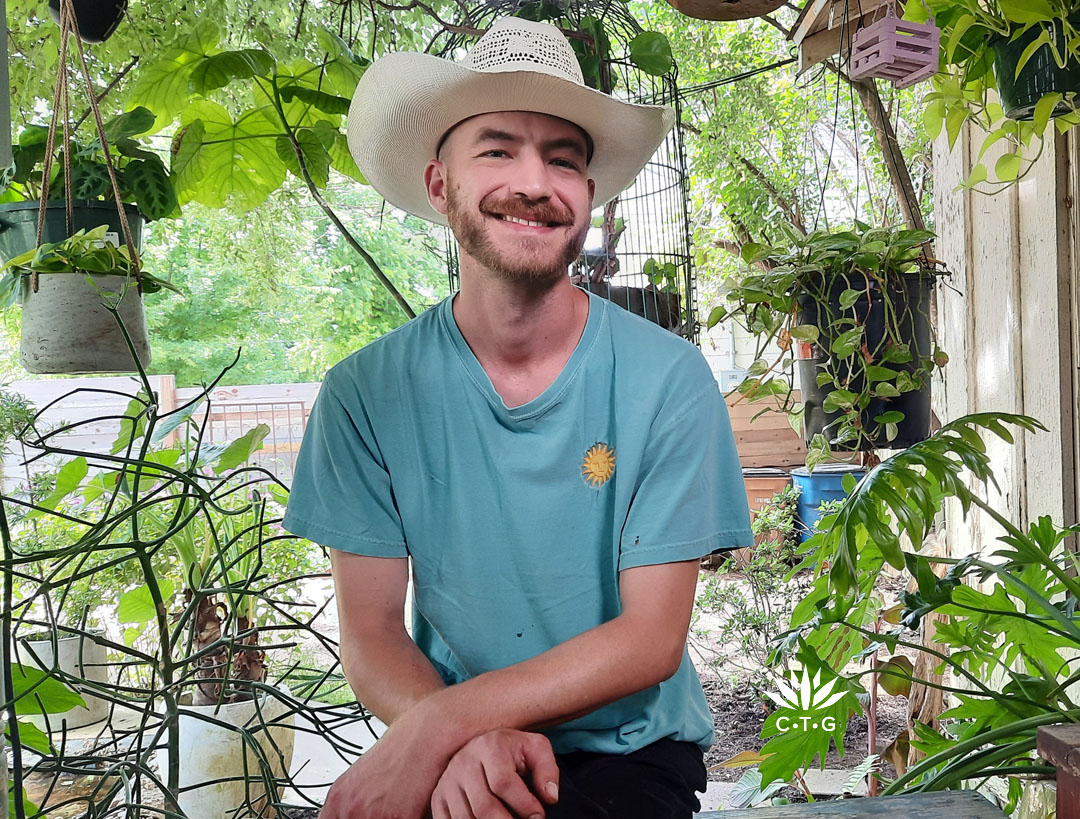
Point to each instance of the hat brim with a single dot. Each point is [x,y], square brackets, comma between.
[405,102]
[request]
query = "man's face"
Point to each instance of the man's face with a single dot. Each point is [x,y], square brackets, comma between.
[516,193]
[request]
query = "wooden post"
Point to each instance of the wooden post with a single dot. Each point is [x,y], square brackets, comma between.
[1060,746]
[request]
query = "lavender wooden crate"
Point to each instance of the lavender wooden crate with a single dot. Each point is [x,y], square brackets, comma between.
[896,50]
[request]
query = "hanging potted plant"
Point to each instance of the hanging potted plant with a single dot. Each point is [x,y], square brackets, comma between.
[850,312]
[67,327]
[1012,67]
[144,184]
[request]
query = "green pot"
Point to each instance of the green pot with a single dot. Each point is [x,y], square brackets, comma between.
[18,223]
[1041,75]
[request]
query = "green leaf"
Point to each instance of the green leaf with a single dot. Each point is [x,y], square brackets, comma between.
[895,676]
[934,118]
[28,807]
[89,180]
[327,103]
[1008,167]
[1027,11]
[316,157]
[847,342]
[162,85]
[149,183]
[805,332]
[241,450]
[960,28]
[1044,109]
[220,69]
[848,298]
[716,315]
[954,121]
[890,417]
[886,390]
[36,692]
[30,736]
[225,161]
[651,52]
[137,605]
[173,420]
[139,120]
[68,480]
[839,400]
[1029,52]
[132,424]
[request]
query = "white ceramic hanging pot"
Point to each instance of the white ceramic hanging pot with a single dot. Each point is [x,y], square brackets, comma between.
[215,777]
[66,327]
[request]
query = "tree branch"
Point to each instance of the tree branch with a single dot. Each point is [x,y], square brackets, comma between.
[775,194]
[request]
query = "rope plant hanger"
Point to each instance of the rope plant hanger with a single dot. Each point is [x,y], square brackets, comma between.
[86,317]
[62,110]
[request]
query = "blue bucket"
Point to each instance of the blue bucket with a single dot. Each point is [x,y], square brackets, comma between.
[825,483]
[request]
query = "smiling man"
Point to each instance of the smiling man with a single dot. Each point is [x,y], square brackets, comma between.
[552,465]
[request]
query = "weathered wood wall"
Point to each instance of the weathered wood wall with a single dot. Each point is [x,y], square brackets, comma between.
[1007,322]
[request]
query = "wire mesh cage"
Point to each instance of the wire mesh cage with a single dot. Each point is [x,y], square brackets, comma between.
[637,252]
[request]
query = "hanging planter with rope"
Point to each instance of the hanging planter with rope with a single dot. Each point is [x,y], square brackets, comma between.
[67,326]
[726,10]
[896,50]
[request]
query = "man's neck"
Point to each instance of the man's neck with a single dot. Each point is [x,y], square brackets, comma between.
[517,326]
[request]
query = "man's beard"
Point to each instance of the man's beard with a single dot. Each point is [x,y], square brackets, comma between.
[536,259]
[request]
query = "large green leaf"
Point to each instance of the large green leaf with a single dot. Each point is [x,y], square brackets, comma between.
[218,70]
[341,159]
[651,52]
[37,692]
[149,182]
[68,480]
[1027,11]
[137,605]
[327,103]
[163,84]
[89,180]
[226,162]
[297,112]
[240,450]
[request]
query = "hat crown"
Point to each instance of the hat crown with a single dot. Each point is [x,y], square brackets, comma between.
[513,44]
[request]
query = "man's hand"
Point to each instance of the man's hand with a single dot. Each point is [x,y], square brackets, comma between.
[498,775]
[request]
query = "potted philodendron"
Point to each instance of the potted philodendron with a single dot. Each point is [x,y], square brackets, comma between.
[1012,67]
[66,325]
[850,311]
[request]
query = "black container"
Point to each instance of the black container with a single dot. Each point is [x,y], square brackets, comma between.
[18,223]
[1041,74]
[97,19]
[910,299]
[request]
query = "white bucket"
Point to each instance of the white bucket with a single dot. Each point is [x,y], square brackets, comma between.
[93,667]
[211,752]
[67,329]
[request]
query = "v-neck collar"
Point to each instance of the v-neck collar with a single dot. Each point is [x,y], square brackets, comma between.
[551,394]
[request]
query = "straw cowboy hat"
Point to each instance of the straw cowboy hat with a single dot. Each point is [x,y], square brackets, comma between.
[406,102]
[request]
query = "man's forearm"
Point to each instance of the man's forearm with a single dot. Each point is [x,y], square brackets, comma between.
[388,673]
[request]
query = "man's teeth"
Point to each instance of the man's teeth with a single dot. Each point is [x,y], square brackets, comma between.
[524,221]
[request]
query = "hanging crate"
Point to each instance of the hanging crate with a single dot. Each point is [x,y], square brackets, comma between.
[896,50]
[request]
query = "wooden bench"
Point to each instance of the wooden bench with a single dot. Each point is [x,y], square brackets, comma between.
[939,805]
[1060,746]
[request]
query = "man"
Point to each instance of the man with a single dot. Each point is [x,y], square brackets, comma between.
[553,466]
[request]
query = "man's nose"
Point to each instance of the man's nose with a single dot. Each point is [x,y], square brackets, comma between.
[531,178]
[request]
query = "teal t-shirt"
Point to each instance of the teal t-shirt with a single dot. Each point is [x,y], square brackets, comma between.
[518,520]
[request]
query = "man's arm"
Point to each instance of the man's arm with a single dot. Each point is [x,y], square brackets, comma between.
[384,667]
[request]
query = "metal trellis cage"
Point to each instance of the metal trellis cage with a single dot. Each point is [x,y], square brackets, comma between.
[637,253]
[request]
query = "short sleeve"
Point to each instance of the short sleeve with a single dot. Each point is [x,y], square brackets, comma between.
[341,495]
[690,499]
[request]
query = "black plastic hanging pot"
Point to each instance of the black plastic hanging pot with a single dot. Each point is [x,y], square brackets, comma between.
[909,298]
[18,223]
[97,19]
[1041,74]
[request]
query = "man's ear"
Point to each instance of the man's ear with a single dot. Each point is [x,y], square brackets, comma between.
[592,191]
[436,184]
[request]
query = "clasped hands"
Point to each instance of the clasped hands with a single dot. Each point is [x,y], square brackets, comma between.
[502,774]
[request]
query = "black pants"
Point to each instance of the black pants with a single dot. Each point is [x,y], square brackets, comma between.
[657,782]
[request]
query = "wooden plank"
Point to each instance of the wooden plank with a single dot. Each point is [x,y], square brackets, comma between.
[953,804]
[1046,346]
[1060,746]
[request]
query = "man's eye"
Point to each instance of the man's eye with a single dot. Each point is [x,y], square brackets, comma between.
[566,163]
[497,151]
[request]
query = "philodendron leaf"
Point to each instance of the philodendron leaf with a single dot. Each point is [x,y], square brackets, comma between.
[805,332]
[32,737]
[1044,109]
[894,677]
[651,52]
[847,342]
[240,450]
[218,70]
[36,692]
[137,605]
[149,183]
[327,103]
[138,120]
[1027,11]
[1008,167]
